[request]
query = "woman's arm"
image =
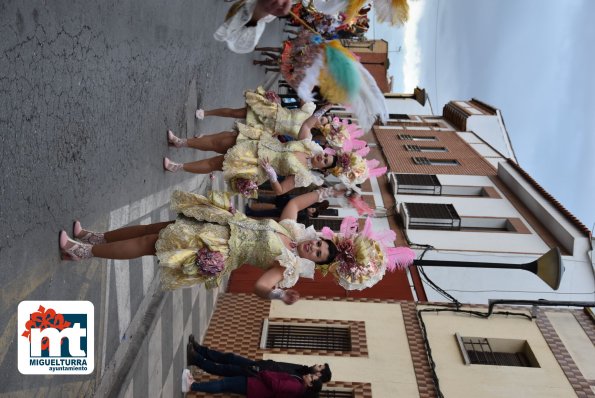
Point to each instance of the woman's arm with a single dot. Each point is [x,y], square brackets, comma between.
[284,186]
[311,122]
[291,209]
[265,286]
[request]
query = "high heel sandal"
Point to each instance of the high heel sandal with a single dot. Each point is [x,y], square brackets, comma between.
[172,166]
[172,140]
[84,236]
[72,250]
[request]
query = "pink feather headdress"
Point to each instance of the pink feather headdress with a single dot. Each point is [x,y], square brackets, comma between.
[364,256]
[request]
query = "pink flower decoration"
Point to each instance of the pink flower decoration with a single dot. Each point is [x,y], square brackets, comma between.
[246,187]
[210,263]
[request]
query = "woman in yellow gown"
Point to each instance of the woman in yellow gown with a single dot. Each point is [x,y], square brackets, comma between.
[248,152]
[208,241]
[260,111]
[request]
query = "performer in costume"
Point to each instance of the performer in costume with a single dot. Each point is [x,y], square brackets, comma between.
[246,20]
[253,156]
[208,241]
[263,109]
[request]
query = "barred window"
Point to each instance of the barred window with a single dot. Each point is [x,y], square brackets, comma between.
[318,223]
[336,393]
[398,116]
[408,137]
[498,352]
[306,337]
[435,162]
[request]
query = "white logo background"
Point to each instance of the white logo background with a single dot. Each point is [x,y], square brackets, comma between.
[79,362]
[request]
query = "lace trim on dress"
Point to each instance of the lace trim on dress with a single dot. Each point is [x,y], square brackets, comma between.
[296,266]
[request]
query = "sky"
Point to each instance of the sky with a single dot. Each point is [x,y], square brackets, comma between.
[532,59]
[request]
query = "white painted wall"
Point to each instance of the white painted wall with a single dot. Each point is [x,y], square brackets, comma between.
[408,106]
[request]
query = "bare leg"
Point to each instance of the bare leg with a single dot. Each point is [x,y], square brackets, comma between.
[134,231]
[219,142]
[127,249]
[262,206]
[236,113]
[271,55]
[205,166]
[268,62]
[275,49]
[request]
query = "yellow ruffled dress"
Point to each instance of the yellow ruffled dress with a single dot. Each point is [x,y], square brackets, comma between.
[242,160]
[208,223]
[271,117]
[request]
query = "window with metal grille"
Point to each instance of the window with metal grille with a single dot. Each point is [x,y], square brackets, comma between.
[307,337]
[408,137]
[318,223]
[432,216]
[398,116]
[418,184]
[435,162]
[499,352]
[332,393]
[329,212]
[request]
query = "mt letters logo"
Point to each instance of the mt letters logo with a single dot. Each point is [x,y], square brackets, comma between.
[56,337]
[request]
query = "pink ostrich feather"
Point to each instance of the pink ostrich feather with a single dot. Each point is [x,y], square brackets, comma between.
[348,226]
[373,170]
[363,151]
[360,205]
[399,258]
[327,233]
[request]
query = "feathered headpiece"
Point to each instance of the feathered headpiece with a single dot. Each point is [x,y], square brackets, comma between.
[395,12]
[340,134]
[352,168]
[364,257]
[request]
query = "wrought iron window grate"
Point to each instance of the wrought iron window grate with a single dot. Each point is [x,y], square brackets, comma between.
[480,352]
[336,394]
[308,337]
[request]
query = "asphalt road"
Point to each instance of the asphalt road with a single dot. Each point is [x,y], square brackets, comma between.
[87,92]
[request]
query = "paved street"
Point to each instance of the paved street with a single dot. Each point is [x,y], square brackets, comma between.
[88,90]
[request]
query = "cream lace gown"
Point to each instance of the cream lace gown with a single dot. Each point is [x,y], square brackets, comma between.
[208,223]
[272,117]
[242,160]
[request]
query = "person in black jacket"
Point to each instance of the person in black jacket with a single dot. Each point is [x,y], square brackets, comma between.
[229,364]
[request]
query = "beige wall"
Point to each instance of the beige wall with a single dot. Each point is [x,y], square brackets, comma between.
[486,381]
[388,367]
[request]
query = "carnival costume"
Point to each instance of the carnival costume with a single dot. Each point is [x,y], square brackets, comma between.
[210,241]
[241,165]
[395,12]
[239,37]
[266,113]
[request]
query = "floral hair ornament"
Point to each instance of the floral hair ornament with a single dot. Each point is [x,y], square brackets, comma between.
[340,134]
[363,257]
[353,169]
